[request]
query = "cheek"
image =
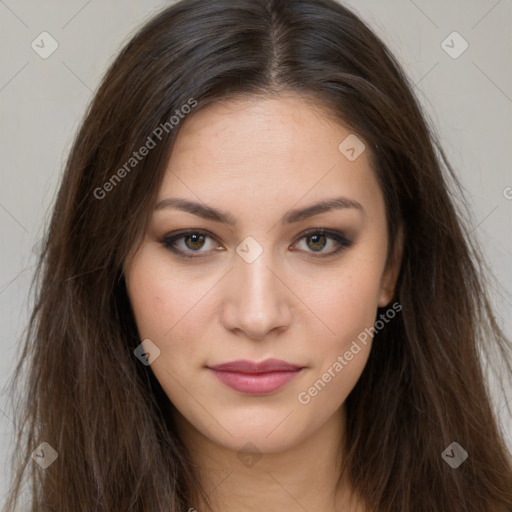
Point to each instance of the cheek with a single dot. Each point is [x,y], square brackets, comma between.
[348,308]
[149,301]
[165,305]
[348,305]
[339,360]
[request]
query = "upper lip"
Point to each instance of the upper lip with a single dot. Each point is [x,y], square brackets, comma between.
[246,366]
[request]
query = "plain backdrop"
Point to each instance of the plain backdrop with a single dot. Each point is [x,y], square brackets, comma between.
[468,98]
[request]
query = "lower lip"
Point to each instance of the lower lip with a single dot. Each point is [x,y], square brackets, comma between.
[255,383]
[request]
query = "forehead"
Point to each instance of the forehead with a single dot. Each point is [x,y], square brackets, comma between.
[266,151]
[267,126]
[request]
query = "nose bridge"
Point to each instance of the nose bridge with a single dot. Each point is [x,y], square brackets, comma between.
[257,301]
[257,280]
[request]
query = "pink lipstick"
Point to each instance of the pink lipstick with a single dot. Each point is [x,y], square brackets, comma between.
[255,378]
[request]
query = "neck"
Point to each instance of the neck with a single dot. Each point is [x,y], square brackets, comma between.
[304,475]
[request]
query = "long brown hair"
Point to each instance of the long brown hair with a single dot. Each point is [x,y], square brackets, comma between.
[79,386]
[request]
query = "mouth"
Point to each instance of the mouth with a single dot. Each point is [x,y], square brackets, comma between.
[255,378]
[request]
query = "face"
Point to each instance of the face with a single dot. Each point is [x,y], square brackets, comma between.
[245,267]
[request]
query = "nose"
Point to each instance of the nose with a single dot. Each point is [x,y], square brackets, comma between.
[257,301]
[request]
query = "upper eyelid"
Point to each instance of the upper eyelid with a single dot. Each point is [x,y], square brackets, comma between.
[186,232]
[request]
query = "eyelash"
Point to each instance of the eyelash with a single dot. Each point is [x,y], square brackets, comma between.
[169,242]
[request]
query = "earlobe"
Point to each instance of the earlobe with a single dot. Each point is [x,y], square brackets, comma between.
[390,275]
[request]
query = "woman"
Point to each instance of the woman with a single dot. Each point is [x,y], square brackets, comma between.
[256,291]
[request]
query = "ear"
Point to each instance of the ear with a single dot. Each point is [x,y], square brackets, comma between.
[390,275]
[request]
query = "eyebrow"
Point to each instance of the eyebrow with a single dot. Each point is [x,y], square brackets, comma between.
[210,213]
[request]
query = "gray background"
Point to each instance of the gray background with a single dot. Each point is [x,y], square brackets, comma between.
[469,100]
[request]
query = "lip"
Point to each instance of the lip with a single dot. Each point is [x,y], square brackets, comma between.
[255,378]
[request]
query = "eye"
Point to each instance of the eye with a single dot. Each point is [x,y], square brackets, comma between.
[189,243]
[194,243]
[317,239]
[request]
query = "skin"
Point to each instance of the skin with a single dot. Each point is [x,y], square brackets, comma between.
[257,158]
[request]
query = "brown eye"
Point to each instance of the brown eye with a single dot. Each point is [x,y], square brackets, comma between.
[190,244]
[318,239]
[196,241]
[318,242]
